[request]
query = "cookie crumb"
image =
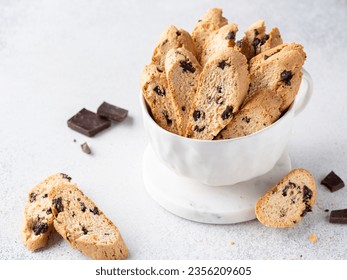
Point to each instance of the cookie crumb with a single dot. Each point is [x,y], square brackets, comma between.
[232,242]
[85,148]
[312,238]
[326,210]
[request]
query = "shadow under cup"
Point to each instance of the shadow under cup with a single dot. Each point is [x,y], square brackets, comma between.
[230,161]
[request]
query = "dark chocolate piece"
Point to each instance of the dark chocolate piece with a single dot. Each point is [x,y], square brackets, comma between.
[83,207]
[85,231]
[286,76]
[33,197]
[230,36]
[95,211]
[58,204]
[88,123]
[222,64]
[65,176]
[167,118]
[338,216]
[85,148]
[333,182]
[199,129]
[196,115]
[113,112]
[187,66]
[40,228]
[227,113]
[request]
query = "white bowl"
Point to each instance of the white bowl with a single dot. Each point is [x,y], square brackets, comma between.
[226,162]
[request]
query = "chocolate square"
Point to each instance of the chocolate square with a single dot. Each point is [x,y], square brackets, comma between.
[333,182]
[88,123]
[338,216]
[112,112]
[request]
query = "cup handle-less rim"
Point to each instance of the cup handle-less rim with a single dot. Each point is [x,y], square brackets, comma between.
[305,97]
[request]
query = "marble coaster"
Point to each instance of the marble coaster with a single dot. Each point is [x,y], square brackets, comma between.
[206,204]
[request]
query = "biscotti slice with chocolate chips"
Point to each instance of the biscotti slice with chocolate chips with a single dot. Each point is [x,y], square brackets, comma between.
[158,97]
[259,112]
[182,72]
[288,201]
[221,39]
[209,22]
[172,38]
[37,222]
[222,87]
[85,226]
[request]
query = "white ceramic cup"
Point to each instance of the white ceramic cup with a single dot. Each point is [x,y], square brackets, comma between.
[230,161]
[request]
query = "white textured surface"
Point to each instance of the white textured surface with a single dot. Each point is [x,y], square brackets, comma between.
[59,56]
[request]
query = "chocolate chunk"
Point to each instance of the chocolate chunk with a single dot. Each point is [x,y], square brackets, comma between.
[308,208]
[45,195]
[85,231]
[256,32]
[263,41]
[196,115]
[40,228]
[338,216]
[183,108]
[230,36]
[112,112]
[49,211]
[178,33]
[227,113]
[333,182]
[95,211]
[239,43]
[256,42]
[85,148]
[199,129]
[285,190]
[168,120]
[58,204]
[66,176]
[222,64]
[219,89]
[326,210]
[159,91]
[307,195]
[33,197]
[286,76]
[83,207]
[88,123]
[246,119]
[187,66]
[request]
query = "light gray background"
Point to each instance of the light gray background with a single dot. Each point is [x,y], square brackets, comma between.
[57,57]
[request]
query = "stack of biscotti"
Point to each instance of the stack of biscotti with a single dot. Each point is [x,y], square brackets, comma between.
[208,85]
[57,204]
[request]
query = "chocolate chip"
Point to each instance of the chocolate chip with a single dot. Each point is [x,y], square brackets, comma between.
[256,42]
[73,214]
[66,176]
[95,211]
[58,204]
[85,148]
[230,36]
[333,182]
[159,91]
[45,195]
[40,228]
[199,129]
[168,120]
[33,197]
[88,123]
[326,210]
[178,33]
[286,76]
[85,231]
[222,64]
[187,66]
[83,207]
[227,113]
[112,112]
[308,208]
[49,211]
[246,119]
[338,216]
[196,115]
[266,57]
[239,43]
[183,108]
[307,195]
[219,89]
[256,32]
[285,190]
[263,41]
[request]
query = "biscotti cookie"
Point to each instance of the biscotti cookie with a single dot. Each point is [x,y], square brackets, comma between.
[158,97]
[256,40]
[182,72]
[222,86]
[288,201]
[210,22]
[221,39]
[84,226]
[259,112]
[172,38]
[278,69]
[37,222]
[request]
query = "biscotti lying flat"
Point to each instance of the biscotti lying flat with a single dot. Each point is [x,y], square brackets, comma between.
[85,226]
[57,204]
[289,201]
[37,223]
[196,85]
